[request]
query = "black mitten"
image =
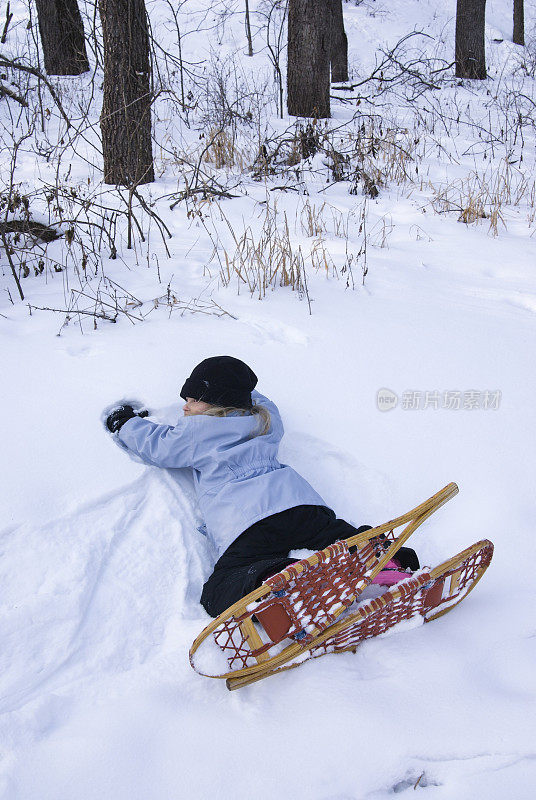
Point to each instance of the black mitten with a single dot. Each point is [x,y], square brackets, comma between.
[120,415]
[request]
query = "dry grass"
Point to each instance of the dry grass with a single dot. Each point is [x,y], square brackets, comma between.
[270,255]
[223,151]
[484,195]
[267,260]
[311,218]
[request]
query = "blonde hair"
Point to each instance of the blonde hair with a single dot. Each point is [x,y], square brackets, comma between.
[260,411]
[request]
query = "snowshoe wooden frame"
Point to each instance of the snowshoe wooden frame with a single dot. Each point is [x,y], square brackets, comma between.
[238,618]
[428,594]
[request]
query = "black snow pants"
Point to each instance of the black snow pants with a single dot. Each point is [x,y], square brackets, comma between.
[263,549]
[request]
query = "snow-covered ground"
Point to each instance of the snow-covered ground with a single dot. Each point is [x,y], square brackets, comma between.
[101,563]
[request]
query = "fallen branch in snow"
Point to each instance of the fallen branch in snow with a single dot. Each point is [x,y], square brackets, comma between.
[5,92]
[95,314]
[36,229]
[105,302]
[108,300]
[193,306]
[205,190]
[419,779]
[201,182]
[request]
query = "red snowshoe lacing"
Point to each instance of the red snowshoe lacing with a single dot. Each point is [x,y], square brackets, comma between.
[448,589]
[305,602]
[230,637]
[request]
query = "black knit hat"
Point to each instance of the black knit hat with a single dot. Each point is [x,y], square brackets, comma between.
[222,381]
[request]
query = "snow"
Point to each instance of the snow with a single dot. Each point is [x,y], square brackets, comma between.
[101,561]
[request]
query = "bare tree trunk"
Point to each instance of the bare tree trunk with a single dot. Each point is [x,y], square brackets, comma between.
[519,22]
[308,73]
[470,48]
[126,108]
[339,44]
[248,31]
[62,37]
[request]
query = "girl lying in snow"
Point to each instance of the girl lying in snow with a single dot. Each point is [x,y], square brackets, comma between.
[255,509]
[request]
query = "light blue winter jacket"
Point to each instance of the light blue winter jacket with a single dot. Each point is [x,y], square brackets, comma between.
[238,479]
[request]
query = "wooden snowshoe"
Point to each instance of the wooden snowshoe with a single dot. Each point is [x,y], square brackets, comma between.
[295,610]
[421,597]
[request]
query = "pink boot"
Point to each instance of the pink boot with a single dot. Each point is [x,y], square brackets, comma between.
[390,574]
